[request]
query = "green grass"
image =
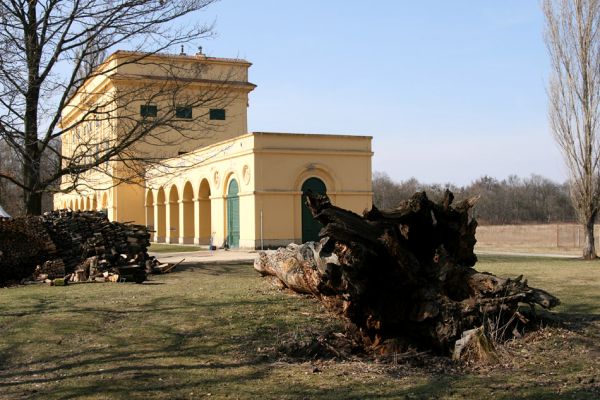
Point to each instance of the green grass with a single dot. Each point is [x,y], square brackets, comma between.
[575,282]
[173,248]
[212,331]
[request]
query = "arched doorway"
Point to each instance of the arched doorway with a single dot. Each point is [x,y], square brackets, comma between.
[233,215]
[310,226]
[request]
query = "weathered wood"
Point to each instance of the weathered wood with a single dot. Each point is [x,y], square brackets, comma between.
[402,276]
[61,241]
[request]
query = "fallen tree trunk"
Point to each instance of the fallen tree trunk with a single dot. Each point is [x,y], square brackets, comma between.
[404,277]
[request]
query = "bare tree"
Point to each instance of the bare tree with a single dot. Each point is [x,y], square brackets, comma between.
[509,201]
[572,37]
[48,50]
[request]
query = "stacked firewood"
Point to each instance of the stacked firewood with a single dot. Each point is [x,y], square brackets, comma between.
[61,242]
[24,243]
[405,277]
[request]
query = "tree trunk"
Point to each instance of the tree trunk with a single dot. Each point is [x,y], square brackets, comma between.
[33,203]
[32,160]
[403,277]
[589,249]
[33,155]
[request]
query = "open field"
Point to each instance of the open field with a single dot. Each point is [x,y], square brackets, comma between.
[529,249]
[219,331]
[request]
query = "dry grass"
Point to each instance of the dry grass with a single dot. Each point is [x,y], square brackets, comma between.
[213,331]
[528,249]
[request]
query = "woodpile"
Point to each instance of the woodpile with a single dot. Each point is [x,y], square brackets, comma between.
[24,243]
[404,277]
[79,245]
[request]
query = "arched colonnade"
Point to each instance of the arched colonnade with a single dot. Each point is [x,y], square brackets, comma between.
[185,213]
[98,201]
[180,213]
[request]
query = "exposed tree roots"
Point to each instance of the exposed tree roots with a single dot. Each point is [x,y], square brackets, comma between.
[404,277]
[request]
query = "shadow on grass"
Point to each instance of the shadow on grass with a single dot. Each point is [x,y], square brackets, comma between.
[218,351]
[213,268]
[190,343]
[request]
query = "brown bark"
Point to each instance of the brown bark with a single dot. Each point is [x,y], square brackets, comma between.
[589,246]
[404,276]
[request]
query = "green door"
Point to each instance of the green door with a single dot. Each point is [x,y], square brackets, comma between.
[233,215]
[310,226]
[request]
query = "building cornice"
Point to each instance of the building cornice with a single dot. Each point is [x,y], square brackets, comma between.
[199,81]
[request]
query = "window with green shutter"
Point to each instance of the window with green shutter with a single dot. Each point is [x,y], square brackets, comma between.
[217,114]
[183,112]
[147,110]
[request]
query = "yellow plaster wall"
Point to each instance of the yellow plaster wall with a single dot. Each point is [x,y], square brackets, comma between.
[198,132]
[128,203]
[285,161]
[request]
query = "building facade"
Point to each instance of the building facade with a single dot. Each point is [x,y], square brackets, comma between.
[212,182]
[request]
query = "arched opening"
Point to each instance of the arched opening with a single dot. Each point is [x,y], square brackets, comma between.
[150,213]
[204,213]
[95,203]
[233,215]
[310,226]
[80,207]
[71,204]
[160,222]
[173,216]
[188,214]
[88,203]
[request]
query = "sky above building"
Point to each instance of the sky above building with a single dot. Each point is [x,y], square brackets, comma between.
[449,90]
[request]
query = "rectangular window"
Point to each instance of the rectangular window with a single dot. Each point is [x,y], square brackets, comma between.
[184,112]
[217,114]
[147,110]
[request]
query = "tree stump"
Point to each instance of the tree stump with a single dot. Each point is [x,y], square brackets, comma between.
[404,277]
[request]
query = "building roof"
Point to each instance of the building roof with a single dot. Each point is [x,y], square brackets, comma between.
[190,57]
[3,214]
[327,135]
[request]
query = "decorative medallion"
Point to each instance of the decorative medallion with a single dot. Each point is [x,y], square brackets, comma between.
[246,174]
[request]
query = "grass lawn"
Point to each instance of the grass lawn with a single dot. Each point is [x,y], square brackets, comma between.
[172,248]
[213,331]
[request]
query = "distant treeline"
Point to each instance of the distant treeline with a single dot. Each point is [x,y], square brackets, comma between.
[509,201]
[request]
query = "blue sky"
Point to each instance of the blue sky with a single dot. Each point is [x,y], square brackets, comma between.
[449,90]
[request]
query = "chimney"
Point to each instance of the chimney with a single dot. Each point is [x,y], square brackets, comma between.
[182,51]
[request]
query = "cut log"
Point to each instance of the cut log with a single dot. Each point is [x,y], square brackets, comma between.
[60,242]
[403,276]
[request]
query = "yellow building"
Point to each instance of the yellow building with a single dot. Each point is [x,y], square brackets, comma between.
[214,182]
